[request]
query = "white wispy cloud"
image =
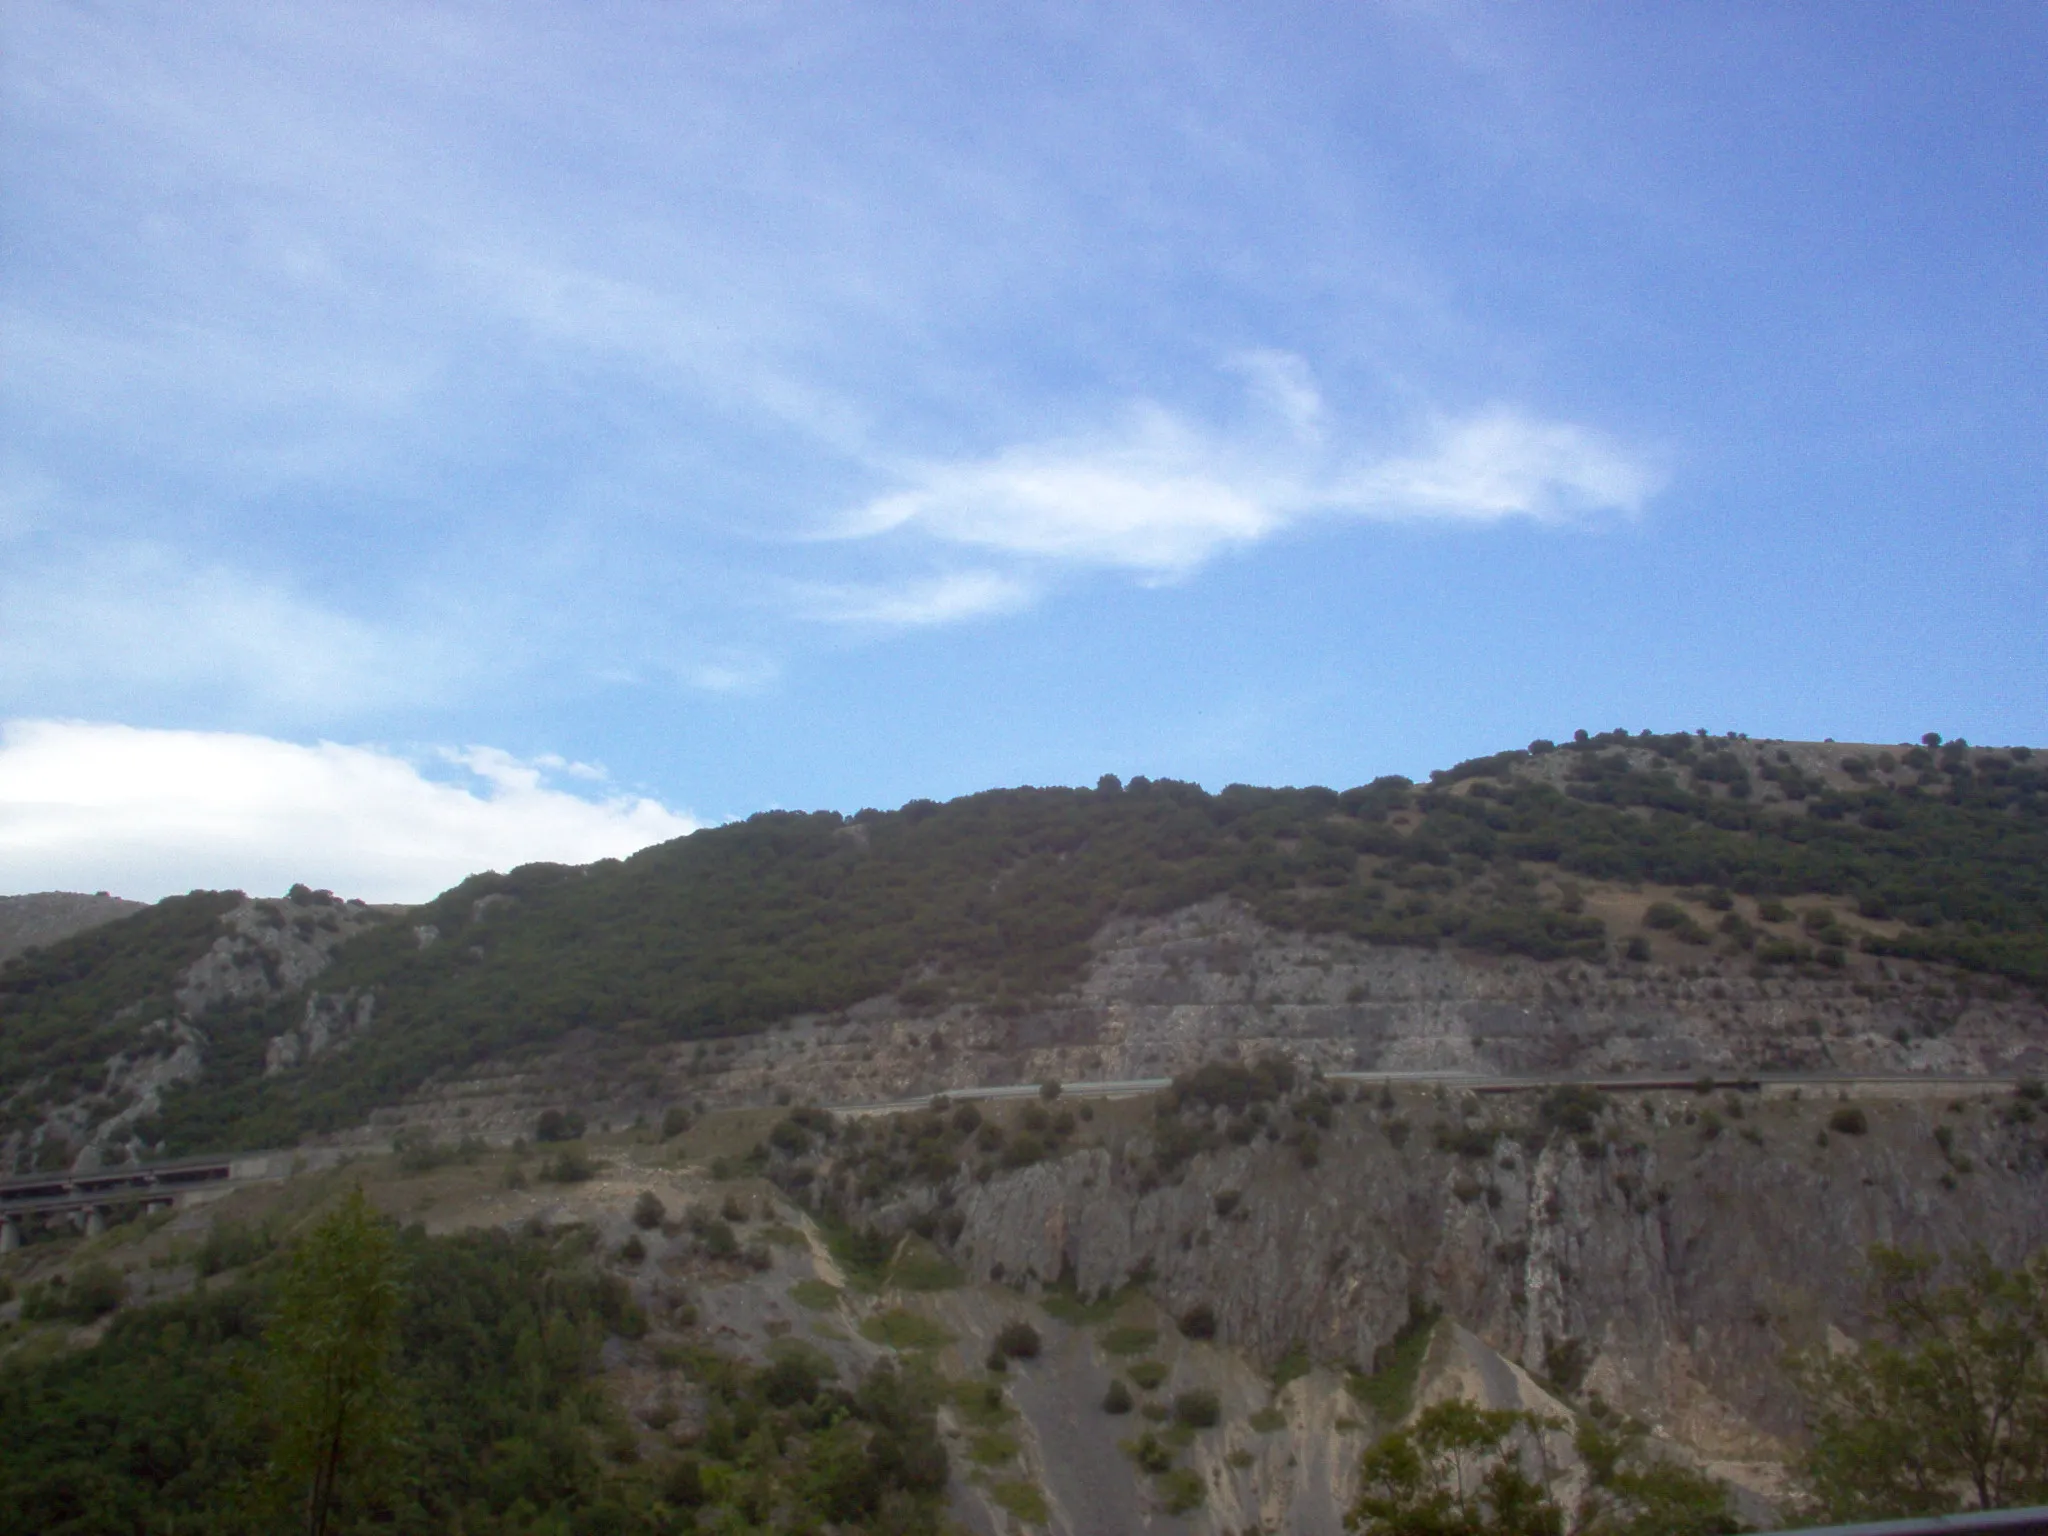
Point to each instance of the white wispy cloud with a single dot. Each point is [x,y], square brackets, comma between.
[944,599]
[146,814]
[429,297]
[730,671]
[1504,464]
[1162,495]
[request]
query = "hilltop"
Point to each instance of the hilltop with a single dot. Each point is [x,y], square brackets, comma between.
[1716,900]
[44,917]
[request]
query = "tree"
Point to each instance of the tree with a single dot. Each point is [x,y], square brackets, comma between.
[331,1343]
[1458,1471]
[1462,1470]
[1947,1405]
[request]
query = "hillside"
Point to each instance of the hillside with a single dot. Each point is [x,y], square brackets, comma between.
[652,1284]
[1647,883]
[1191,1312]
[44,917]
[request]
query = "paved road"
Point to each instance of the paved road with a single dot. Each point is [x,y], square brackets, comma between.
[1482,1082]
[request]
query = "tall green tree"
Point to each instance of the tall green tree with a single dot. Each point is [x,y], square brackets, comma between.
[332,1346]
[1945,1407]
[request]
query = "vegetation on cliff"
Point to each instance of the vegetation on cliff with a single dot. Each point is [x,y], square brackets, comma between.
[1462,1470]
[199,1416]
[992,900]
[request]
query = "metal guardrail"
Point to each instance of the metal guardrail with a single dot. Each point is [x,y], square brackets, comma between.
[2005,1522]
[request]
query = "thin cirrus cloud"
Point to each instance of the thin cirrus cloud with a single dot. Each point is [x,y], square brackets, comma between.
[89,617]
[1163,497]
[148,813]
[947,598]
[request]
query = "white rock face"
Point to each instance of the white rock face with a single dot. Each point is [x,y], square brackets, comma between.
[330,1023]
[265,949]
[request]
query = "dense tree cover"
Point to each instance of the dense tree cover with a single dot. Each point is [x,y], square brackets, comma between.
[167,1425]
[1945,1406]
[994,898]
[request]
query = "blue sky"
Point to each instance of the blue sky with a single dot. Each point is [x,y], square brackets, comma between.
[543,428]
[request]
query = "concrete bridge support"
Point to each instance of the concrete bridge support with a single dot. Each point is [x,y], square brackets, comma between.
[10,1234]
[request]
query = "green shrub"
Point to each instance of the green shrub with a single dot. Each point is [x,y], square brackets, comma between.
[1151,1453]
[558,1125]
[1849,1120]
[1118,1398]
[1148,1374]
[1293,1366]
[1389,1391]
[1128,1339]
[1024,1500]
[1572,1109]
[817,1295]
[920,1267]
[87,1295]
[992,1448]
[1199,1321]
[648,1210]
[569,1166]
[1198,1409]
[232,1244]
[1179,1490]
[1019,1340]
[903,1330]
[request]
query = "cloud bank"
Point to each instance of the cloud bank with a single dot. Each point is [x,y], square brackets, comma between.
[150,813]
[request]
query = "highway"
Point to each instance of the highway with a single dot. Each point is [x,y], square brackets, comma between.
[1488,1082]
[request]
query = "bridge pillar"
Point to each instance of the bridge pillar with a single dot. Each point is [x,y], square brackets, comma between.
[95,1221]
[10,1234]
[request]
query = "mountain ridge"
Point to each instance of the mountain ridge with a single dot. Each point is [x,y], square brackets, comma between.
[1770,864]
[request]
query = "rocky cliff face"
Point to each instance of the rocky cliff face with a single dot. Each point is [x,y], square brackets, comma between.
[1165,995]
[1665,1260]
[266,950]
